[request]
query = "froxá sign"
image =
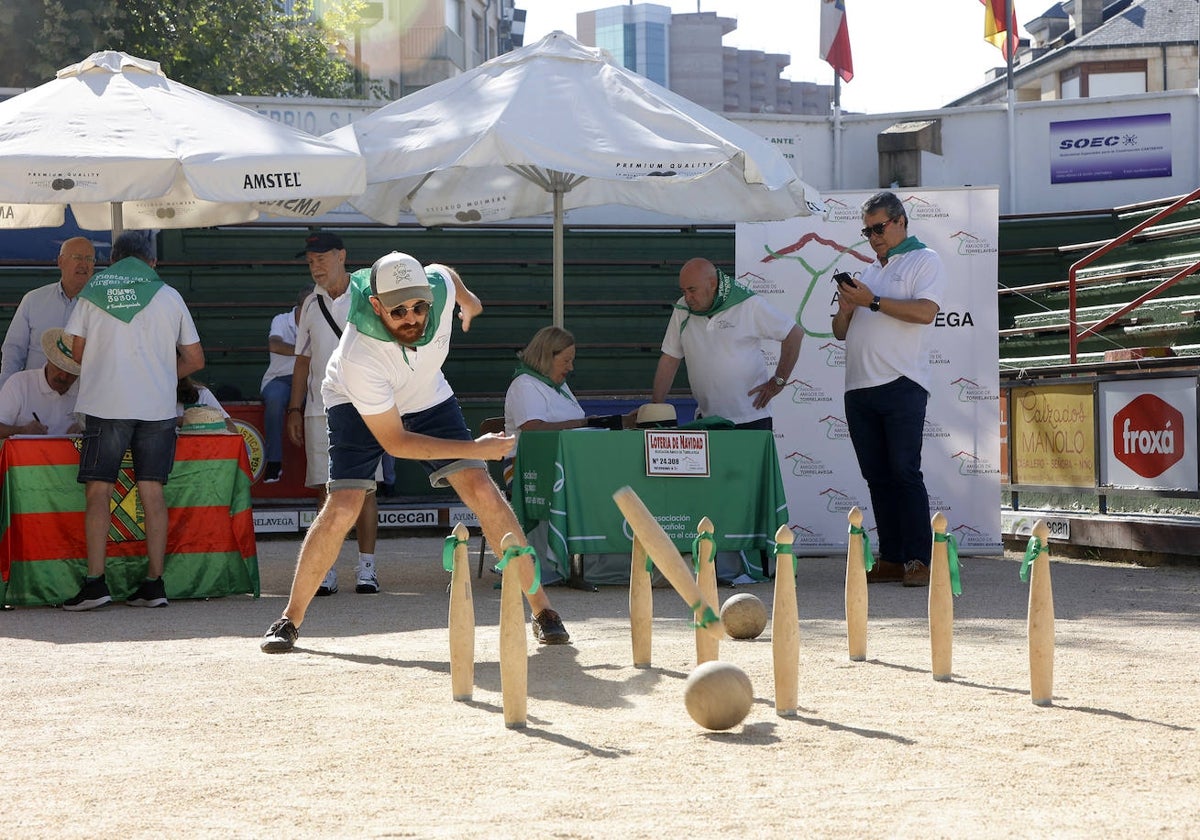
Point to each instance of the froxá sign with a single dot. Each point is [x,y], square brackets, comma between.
[1148,436]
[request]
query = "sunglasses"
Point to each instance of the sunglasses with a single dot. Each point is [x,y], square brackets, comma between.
[876,229]
[419,308]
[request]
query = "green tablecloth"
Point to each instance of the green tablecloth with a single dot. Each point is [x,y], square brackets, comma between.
[568,478]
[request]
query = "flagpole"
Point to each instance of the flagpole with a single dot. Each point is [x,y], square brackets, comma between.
[837,130]
[1010,50]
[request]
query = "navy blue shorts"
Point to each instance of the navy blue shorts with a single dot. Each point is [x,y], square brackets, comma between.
[151,442]
[354,453]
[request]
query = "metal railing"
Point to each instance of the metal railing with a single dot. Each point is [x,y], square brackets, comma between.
[1075,334]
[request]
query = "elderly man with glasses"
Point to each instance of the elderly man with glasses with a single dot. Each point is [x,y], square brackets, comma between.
[884,316]
[46,307]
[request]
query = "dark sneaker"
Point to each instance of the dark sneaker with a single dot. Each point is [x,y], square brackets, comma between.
[916,573]
[548,628]
[329,585]
[94,593]
[151,593]
[281,637]
[273,472]
[885,572]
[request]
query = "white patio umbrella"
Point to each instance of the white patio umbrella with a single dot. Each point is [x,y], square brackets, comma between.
[126,147]
[557,125]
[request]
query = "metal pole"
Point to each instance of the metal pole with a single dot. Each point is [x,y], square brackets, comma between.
[558,252]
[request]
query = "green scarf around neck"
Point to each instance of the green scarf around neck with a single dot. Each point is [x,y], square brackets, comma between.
[363,316]
[123,289]
[910,243]
[523,369]
[729,294]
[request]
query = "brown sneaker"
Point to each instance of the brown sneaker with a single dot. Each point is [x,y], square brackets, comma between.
[885,572]
[916,573]
[548,628]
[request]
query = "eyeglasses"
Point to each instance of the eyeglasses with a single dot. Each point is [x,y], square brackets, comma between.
[876,229]
[419,308]
[81,258]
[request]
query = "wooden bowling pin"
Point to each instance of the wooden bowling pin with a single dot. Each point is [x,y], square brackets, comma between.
[514,653]
[707,645]
[462,620]
[1040,624]
[856,589]
[941,603]
[641,606]
[785,626]
[667,559]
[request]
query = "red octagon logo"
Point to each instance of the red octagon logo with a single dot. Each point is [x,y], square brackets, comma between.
[1148,435]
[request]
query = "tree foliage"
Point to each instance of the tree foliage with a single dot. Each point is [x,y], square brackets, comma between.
[246,47]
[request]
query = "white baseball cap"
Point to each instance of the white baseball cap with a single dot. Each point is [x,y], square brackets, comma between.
[398,277]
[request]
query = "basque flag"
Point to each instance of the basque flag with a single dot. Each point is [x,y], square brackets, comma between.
[835,38]
[1000,25]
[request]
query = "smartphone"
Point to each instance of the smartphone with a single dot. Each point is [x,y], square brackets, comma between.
[844,279]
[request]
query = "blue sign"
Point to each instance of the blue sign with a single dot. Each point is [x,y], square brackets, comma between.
[1110,149]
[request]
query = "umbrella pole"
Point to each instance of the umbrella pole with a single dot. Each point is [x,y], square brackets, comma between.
[117,217]
[558,256]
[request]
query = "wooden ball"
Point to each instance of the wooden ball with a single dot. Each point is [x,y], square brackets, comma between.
[744,616]
[718,695]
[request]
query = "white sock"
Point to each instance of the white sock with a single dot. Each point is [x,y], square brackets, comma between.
[366,561]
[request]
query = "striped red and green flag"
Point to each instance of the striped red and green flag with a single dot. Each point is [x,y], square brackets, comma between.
[211,549]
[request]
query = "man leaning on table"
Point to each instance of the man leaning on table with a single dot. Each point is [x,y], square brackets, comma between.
[134,339]
[42,402]
[718,326]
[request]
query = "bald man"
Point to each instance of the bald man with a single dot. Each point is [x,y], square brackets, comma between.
[719,326]
[46,307]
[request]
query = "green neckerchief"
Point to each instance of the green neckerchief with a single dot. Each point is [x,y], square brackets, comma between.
[363,316]
[729,293]
[123,289]
[524,369]
[911,243]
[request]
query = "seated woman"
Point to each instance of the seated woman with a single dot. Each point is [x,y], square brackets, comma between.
[539,398]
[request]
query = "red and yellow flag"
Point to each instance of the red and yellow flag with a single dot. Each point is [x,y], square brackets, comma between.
[211,548]
[1000,25]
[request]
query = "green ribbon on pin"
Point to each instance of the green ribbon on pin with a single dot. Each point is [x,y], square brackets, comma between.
[702,536]
[452,542]
[706,618]
[952,555]
[1032,551]
[868,557]
[516,551]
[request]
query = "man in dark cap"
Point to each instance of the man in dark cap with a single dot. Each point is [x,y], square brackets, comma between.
[322,320]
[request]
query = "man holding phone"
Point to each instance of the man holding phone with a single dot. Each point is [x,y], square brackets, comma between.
[884,318]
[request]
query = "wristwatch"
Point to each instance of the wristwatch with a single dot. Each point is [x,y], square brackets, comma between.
[779,380]
[875,303]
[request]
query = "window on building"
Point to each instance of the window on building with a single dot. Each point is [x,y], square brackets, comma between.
[1103,78]
[480,36]
[455,16]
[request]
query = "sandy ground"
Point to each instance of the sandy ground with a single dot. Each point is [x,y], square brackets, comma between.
[152,723]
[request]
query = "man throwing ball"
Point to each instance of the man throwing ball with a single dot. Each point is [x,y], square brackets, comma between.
[384,392]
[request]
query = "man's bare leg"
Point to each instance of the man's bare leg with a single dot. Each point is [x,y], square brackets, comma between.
[154,504]
[480,493]
[321,547]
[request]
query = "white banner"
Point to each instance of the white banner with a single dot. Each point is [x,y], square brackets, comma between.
[791,264]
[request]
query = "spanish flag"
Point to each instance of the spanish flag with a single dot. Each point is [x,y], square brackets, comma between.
[1000,25]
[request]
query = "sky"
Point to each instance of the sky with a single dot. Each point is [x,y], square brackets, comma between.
[909,55]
